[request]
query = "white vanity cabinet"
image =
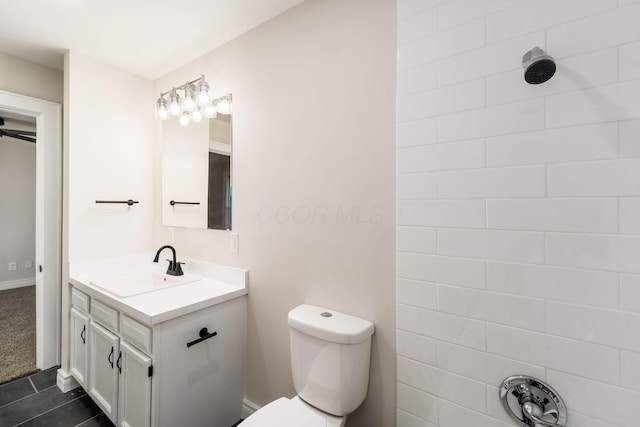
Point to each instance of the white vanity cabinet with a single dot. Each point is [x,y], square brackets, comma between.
[147,376]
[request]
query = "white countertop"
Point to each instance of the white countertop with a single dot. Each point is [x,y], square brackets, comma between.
[215,284]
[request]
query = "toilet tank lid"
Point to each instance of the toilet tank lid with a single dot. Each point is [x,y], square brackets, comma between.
[330,325]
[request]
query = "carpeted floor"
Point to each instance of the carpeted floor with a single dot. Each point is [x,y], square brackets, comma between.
[17,333]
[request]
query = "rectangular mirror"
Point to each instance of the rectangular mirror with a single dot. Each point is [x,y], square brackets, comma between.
[197,173]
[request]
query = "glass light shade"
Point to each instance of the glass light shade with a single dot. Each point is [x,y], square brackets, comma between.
[196,115]
[162,113]
[223,106]
[174,108]
[184,119]
[210,111]
[174,104]
[188,104]
[161,109]
[203,97]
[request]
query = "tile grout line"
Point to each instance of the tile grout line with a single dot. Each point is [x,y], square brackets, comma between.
[49,410]
[32,385]
[89,419]
[17,400]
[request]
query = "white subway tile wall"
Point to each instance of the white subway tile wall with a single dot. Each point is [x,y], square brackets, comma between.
[629,131]
[518,209]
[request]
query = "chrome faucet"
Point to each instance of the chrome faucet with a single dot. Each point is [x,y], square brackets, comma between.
[175,267]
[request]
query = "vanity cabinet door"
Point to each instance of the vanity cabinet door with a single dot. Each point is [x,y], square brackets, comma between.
[134,398]
[104,349]
[78,339]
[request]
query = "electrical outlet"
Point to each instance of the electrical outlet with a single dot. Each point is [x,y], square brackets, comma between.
[28,263]
[13,266]
[233,239]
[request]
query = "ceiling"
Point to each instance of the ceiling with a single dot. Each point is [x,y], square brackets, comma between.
[146,37]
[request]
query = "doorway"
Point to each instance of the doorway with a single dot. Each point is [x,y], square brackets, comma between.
[48,219]
[18,248]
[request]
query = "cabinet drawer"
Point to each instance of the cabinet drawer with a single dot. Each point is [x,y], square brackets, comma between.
[80,300]
[135,333]
[106,316]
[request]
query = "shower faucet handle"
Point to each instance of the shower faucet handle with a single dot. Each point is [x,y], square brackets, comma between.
[533,412]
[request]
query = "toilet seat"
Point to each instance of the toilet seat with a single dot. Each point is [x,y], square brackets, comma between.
[294,412]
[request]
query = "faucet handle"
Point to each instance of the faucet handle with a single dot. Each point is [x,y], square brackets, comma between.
[178,268]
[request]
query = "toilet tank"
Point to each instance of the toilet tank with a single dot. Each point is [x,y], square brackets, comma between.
[330,354]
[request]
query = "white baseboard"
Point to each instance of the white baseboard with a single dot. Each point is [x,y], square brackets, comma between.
[20,283]
[248,408]
[65,381]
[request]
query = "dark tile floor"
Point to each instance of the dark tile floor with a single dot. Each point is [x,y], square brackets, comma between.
[36,401]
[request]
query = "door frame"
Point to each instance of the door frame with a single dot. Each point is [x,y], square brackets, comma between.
[48,117]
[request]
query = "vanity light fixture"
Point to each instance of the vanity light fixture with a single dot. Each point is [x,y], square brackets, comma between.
[193,104]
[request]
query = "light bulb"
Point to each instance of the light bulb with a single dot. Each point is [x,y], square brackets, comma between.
[161,111]
[174,109]
[203,97]
[210,111]
[196,115]
[223,106]
[184,119]
[188,104]
[174,104]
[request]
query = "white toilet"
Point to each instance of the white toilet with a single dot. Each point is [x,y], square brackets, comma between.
[330,353]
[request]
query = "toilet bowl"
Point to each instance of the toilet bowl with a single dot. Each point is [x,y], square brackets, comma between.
[330,355]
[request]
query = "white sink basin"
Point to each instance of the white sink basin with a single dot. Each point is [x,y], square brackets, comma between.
[139,282]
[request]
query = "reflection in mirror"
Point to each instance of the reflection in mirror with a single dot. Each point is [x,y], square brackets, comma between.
[196,171]
[219,196]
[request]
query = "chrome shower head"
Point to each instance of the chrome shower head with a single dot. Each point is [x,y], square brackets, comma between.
[538,66]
